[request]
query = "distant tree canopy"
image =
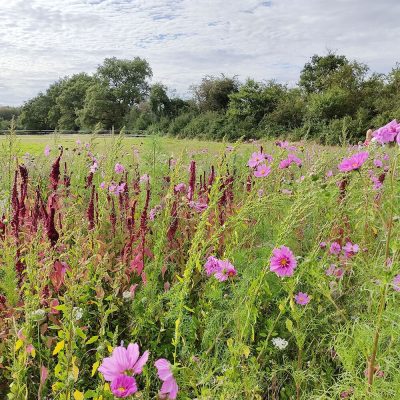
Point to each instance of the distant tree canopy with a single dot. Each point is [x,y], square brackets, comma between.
[335,97]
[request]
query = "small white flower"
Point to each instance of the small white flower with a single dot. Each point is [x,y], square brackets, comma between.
[127,295]
[280,343]
[77,313]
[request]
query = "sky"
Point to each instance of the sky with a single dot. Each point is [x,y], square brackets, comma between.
[183,40]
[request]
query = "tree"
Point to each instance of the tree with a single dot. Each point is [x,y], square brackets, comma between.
[254,101]
[71,100]
[212,94]
[101,107]
[125,79]
[159,100]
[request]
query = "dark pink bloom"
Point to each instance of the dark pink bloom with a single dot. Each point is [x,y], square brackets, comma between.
[256,159]
[123,386]
[396,283]
[282,261]
[123,361]
[354,162]
[262,171]
[211,266]
[169,388]
[302,298]
[335,248]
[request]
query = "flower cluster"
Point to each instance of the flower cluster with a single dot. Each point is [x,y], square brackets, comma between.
[221,269]
[291,159]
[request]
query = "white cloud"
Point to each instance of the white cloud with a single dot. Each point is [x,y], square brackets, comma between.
[42,40]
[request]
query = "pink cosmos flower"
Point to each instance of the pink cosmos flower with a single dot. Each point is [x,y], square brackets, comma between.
[180,187]
[284,163]
[387,133]
[102,185]
[378,163]
[123,361]
[354,162]
[255,159]
[322,245]
[144,178]
[169,388]
[198,206]
[47,150]
[335,248]
[282,261]
[123,386]
[94,167]
[119,168]
[302,298]
[225,270]
[329,173]
[211,266]
[350,249]
[396,283]
[262,171]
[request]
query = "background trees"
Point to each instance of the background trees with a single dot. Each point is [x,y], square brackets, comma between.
[335,98]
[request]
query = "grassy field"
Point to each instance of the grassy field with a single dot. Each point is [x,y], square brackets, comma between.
[149,268]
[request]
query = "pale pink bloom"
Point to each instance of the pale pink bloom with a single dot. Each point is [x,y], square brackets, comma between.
[226,270]
[44,373]
[102,185]
[262,171]
[169,388]
[30,349]
[396,283]
[260,193]
[123,361]
[180,187]
[144,178]
[302,298]
[350,249]
[322,245]
[198,206]
[329,173]
[378,163]
[255,159]
[47,150]
[286,191]
[93,168]
[78,142]
[387,133]
[119,168]
[20,335]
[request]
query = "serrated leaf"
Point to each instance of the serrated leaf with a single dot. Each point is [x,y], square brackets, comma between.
[59,347]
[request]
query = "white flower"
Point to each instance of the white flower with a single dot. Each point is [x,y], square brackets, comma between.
[280,343]
[127,295]
[77,313]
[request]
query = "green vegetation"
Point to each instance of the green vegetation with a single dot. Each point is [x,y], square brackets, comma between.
[336,99]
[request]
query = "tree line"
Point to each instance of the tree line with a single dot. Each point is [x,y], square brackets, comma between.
[335,99]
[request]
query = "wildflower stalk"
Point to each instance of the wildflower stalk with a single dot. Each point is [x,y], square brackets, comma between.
[382,302]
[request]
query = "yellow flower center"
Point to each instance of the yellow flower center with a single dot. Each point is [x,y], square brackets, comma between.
[283,262]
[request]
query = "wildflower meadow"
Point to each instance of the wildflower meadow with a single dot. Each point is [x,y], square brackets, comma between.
[147,268]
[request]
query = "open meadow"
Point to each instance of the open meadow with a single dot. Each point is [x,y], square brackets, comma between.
[152,267]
